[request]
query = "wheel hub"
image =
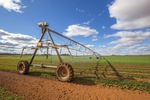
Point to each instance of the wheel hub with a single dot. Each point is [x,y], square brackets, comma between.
[21,67]
[63,72]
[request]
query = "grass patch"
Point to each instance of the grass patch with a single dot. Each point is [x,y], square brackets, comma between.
[126,84]
[119,83]
[43,74]
[6,95]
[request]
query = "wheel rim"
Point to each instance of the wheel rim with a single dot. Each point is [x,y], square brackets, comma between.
[63,72]
[21,67]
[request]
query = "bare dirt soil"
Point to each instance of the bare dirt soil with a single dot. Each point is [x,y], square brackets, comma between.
[37,88]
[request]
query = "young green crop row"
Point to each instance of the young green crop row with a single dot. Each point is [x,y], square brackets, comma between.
[131,65]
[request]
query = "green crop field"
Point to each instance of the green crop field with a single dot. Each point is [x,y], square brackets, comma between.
[6,95]
[125,72]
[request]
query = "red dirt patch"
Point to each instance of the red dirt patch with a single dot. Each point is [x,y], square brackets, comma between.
[36,88]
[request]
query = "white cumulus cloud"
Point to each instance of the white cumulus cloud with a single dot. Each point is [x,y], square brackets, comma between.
[12,5]
[130,14]
[130,42]
[128,37]
[89,46]
[78,30]
[13,42]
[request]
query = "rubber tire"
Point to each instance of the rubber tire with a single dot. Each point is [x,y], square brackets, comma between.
[69,75]
[23,67]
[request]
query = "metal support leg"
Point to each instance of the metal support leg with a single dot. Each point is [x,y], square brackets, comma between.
[60,59]
[43,32]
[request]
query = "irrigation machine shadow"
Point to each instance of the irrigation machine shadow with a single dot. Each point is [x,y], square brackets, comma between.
[120,77]
[81,80]
[96,71]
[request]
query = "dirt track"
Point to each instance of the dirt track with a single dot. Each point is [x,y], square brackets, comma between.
[36,88]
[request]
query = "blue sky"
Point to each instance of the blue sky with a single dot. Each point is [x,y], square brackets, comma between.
[109,27]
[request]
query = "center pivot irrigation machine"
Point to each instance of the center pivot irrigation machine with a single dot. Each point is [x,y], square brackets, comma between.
[64,70]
